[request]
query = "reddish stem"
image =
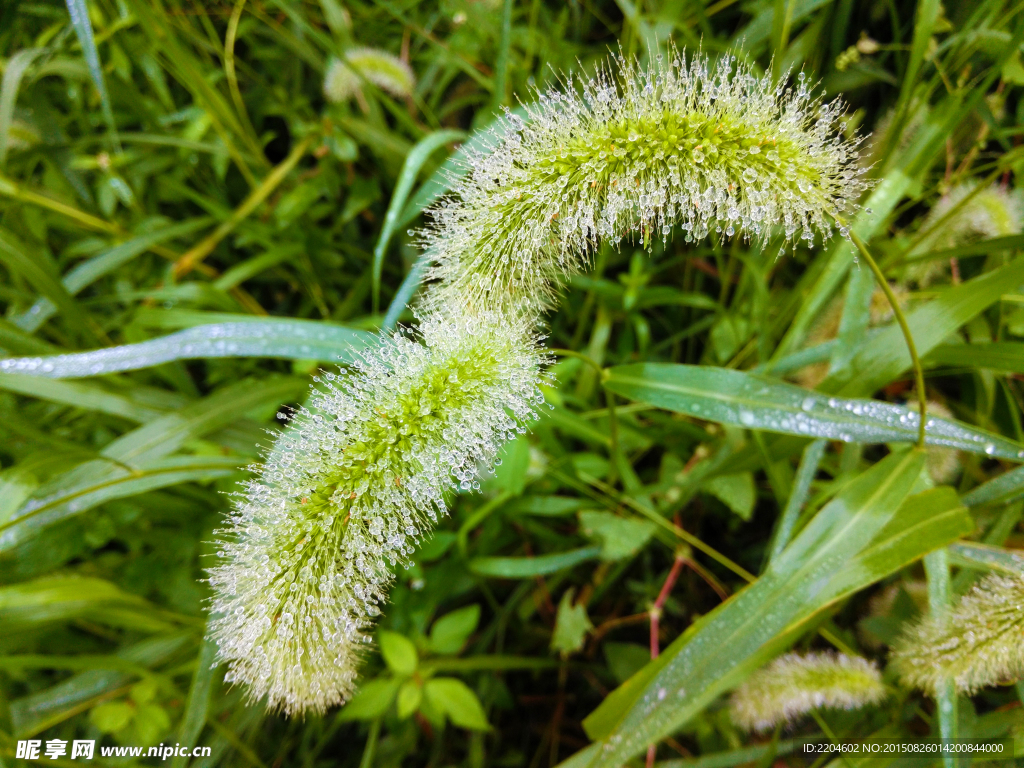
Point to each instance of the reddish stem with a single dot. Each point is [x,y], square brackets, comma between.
[655,611]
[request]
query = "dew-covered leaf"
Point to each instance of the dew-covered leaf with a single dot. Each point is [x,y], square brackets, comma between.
[758,402]
[289,339]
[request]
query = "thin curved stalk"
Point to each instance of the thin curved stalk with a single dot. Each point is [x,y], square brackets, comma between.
[907,335]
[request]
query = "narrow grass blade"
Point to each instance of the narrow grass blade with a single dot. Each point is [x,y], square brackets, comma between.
[1003,489]
[884,358]
[1005,356]
[77,394]
[528,567]
[79,13]
[288,339]
[757,402]
[414,161]
[91,270]
[197,706]
[870,530]
[985,557]
[13,72]
[113,483]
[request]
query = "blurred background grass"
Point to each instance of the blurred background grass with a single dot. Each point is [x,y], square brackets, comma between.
[170,165]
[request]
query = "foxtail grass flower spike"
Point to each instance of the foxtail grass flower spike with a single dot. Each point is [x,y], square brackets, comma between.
[633,153]
[353,483]
[991,212]
[979,643]
[796,684]
[388,72]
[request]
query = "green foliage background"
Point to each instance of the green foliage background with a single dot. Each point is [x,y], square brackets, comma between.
[156,183]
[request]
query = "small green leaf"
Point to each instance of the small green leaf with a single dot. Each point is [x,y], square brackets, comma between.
[143,691]
[371,700]
[456,700]
[398,651]
[510,476]
[625,659]
[451,631]
[410,696]
[619,536]
[571,625]
[151,723]
[435,547]
[112,716]
[737,492]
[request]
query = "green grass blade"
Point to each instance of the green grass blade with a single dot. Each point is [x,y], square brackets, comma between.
[77,394]
[288,339]
[528,567]
[197,706]
[13,73]
[414,161]
[985,557]
[79,13]
[839,552]
[110,483]
[89,271]
[1003,489]
[1007,356]
[758,402]
[885,357]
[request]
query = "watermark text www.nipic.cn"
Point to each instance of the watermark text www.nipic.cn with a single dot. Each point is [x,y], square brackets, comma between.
[36,749]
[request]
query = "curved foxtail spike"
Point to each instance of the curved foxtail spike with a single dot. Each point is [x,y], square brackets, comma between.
[980,642]
[636,152]
[796,684]
[355,481]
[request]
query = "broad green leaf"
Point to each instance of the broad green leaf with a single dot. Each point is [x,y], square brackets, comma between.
[528,567]
[398,651]
[619,536]
[112,716]
[1001,489]
[970,554]
[999,356]
[736,491]
[451,631]
[510,475]
[758,402]
[289,339]
[571,625]
[371,700]
[457,701]
[869,530]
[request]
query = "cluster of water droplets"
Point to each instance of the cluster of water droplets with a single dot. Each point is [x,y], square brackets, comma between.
[975,644]
[355,481]
[638,153]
